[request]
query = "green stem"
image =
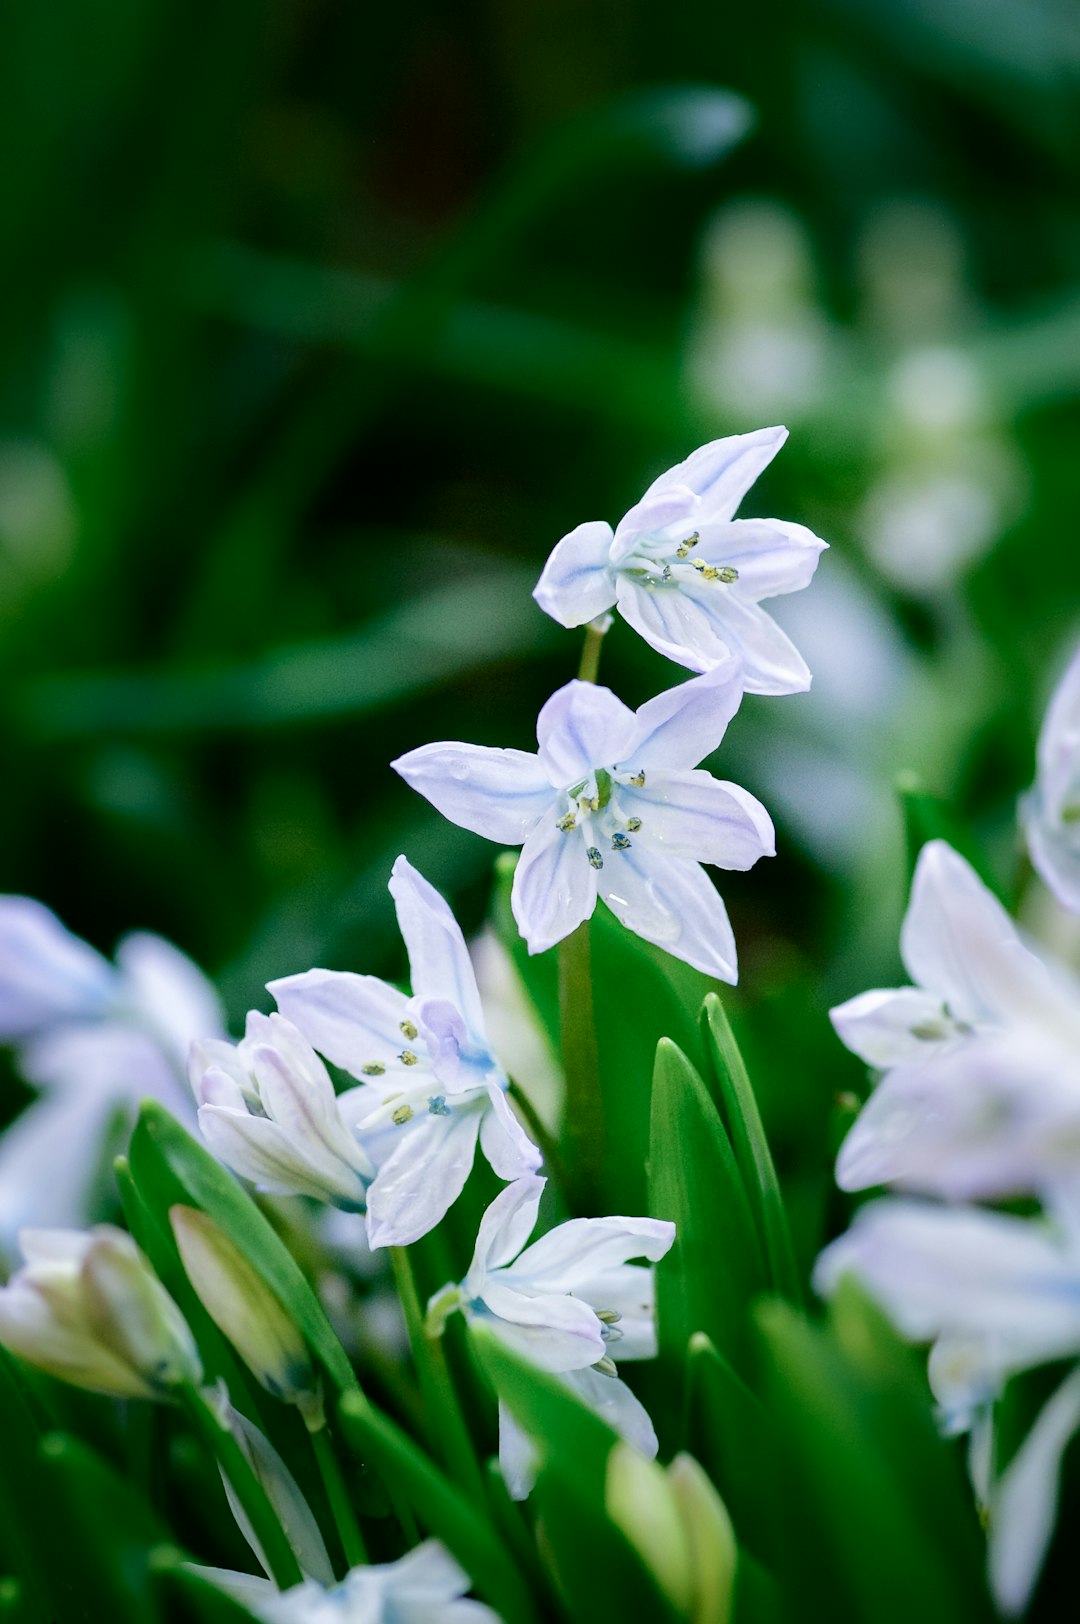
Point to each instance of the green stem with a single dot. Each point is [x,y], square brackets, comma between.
[265,1525]
[345,1520]
[544,1140]
[590,655]
[446,1429]
[581,1063]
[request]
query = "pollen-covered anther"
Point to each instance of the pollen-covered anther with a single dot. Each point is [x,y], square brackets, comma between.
[589,803]
[408,1030]
[633,824]
[403,1114]
[606,1366]
[638,779]
[684,546]
[407,1057]
[595,859]
[437,1105]
[608,1316]
[621,842]
[567,822]
[727,573]
[372,1068]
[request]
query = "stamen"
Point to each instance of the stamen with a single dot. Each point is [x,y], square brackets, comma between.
[408,1030]
[373,1068]
[594,857]
[407,1057]
[437,1105]
[621,842]
[606,1366]
[566,823]
[727,573]
[589,803]
[665,573]
[403,1114]
[633,824]
[638,778]
[608,1316]
[611,1333]
[684,546]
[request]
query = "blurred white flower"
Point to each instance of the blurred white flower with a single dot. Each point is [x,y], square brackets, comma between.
[95,1038]
[612,805]
[1051,812]
[86,1307]
[687,574]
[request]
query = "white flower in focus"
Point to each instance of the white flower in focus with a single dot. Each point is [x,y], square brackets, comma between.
[431,1086]
[612,806]
[267,1109]
[425,1587]
[85,1307]
[94,1038]
[687,574]
[1051,812]
[567,1302]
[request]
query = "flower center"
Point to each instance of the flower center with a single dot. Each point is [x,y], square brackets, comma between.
[660,559]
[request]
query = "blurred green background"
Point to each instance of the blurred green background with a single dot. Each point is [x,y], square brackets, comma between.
[321,322]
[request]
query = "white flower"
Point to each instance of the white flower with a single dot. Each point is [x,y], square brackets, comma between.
[1051,812]
[612,806]
[86,1308]
[425,1587]
[984,1095]
[267,1109]
[432,1086]
[567,1302]
[94,1038]
[997,1295]
[688,575]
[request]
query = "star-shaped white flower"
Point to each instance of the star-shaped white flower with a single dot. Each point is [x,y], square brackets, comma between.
[687,574]
[612,806]
[567,1302]
[430,1086]
[1051,812]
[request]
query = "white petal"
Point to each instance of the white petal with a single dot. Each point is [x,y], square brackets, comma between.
[721,472]
[684,724]
[500,794]
[517,1456]
[108,1059]
[64,1345]
[554,886]
[439,960]
[46,973]
[613,1401]
[771,556]
[691,814]
[555,1332]
[672,623]
[1054,847]
[583,1248]
[1024,1503]
[672,902]
[771,663]
[629,1290]
[284,1495]
[169,990]
[576,584]
[582,727]
[418,1183]
[505,1228]
[426,1573]
[353,1020]
[889,1027]
[446,1040]
[508,1148]
[676,508]
[48,1157]
[263,1152]
[1059,741]
[298,1095]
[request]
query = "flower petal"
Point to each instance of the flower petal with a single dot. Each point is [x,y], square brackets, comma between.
[297,1093]
[582,727]
[583,1248]
[509,1150]
[505,1228]
[353,1020]
[500,794]
[771,663]
[611,1399]
[261,1151]
[517,1456]
[672,902]
[691,814]
[170,991]
[629,1290]
[439,960]
[576,584]
[554,886]
[889,1027]
[772,556]
[684,724]
[46,973]
[672,623]
[1024,1502]
[48,1157]
[721,472]
[556,1332]
[644,525]
[420,1180]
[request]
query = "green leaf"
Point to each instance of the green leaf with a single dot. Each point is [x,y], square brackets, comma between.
[734,1436]
[874,1520]
[439,1507]
[927,817]
[176,1582]
[751,1148]
[31,1543]
[716,1267]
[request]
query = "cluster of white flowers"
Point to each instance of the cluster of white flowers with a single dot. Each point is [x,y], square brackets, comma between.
[979,1102]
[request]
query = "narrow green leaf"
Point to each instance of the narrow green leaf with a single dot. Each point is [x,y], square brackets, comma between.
[31,1545]
[734,1436]
[716,1267]
[198,1597]
[928,817]
[441,1509]
[751,1148]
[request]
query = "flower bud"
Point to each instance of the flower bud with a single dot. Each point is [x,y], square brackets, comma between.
[711,1539]
[247,1312]
[640,1502]
[88,1309]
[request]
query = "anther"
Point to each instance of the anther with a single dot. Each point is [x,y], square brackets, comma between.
[567,823]
[638,778]
[606,1366]
[407,1057]
[408,1030]
[594,857]
[621,842]
[684,546]
[373,1068]
[727,573]
[608,1316]
[633,824]
[589,803]
[403,1114]
[437,1105]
